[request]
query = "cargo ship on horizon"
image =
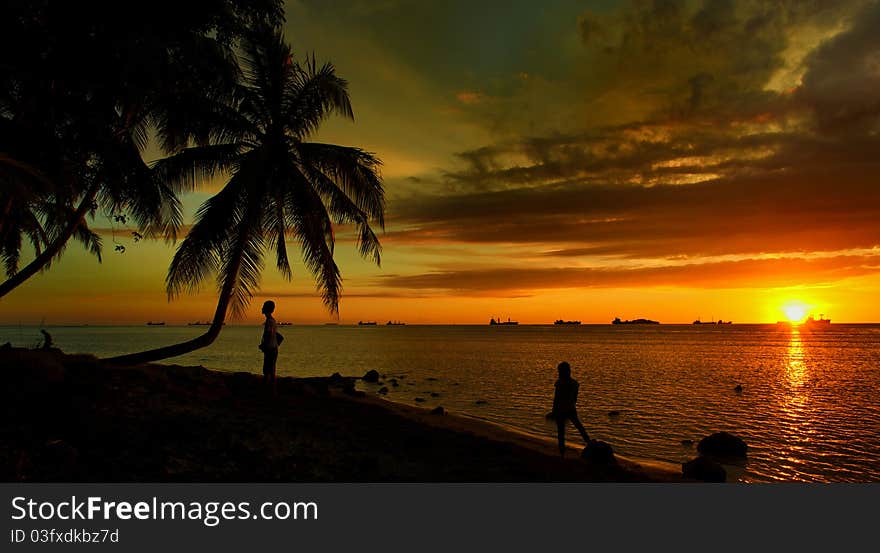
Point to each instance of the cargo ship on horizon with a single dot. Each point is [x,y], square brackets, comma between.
[821,322]
[499,322]
[617,321]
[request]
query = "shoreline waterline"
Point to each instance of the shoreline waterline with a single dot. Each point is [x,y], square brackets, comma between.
[73,418]
[801,400]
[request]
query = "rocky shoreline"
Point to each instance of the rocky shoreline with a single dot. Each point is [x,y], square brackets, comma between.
[72,418]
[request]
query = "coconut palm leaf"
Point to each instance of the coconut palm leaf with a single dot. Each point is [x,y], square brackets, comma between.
[352,169]
[200,253]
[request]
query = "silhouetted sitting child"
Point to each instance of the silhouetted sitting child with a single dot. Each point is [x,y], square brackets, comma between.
[47,340]
[564,405]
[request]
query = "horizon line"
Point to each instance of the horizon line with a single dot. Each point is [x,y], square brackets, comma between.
[404,323]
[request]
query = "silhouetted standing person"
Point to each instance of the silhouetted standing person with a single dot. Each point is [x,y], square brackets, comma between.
[269,344]
[564,405]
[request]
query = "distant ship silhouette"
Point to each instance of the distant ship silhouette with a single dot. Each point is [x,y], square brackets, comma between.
[499,322]
[718,322]
[821,322]
[366,323]
[811,322]
[617,321]
[160,323]
[561,322]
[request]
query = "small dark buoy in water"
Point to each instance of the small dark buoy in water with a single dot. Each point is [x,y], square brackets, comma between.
[738,389]
[613,414]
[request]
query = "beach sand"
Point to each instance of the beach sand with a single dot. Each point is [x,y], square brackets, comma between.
[72,418]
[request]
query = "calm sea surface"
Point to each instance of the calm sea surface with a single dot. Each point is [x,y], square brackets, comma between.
[809,407]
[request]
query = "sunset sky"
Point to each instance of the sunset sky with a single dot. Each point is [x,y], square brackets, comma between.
[575,160]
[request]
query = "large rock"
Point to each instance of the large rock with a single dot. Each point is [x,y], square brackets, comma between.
[704,469]
[371,376]
[722,444]
[598,453]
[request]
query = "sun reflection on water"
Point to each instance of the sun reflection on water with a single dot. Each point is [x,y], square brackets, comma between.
[795,422]
[796,367]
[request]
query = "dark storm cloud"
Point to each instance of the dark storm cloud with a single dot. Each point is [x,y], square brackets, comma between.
[613,155]
[693,57]
[811,196]
[842,82]
[721,166]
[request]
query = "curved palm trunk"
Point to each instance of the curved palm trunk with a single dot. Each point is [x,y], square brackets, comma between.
[202,341]
[174,350]
[54,248]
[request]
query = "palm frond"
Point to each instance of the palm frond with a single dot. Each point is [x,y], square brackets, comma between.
[169,219]
[199,254]
[187,169]
[268,66]
[90,240]
[10,251]
[354,170]
[132,187]
[312,96]
[345,211]
[242,266]
[277,227]
[202,121]
[35,231]
[311,226]
[139,131]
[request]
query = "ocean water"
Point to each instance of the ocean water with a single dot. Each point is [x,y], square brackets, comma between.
[808,410]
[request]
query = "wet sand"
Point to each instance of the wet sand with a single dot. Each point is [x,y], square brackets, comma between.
[72,418]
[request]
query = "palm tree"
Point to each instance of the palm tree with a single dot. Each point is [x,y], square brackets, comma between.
[28,210]
[280,186]
[86,82]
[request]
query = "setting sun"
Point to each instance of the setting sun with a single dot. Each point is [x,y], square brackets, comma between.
[795,311]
